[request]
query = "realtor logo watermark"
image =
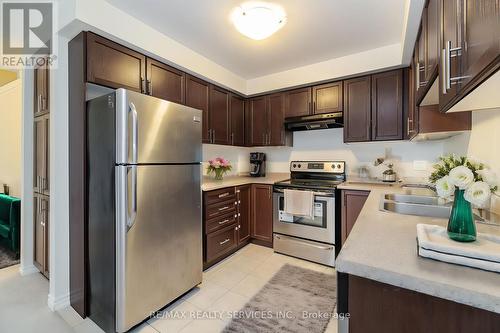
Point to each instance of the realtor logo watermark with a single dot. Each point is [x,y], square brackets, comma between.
[27,34]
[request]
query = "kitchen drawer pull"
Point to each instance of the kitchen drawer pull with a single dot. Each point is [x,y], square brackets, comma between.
[223,208]
[224,195]
[224,241]
[225,221]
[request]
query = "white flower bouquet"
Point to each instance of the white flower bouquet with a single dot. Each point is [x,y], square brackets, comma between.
[475,178]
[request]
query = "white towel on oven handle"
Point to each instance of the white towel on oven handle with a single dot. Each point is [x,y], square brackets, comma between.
[299,203]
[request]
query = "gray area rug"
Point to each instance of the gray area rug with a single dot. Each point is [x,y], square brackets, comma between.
[294,300]
[7,257]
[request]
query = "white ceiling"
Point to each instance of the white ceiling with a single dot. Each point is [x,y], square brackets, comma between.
[316,30]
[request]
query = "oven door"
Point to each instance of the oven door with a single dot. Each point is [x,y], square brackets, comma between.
[321,228]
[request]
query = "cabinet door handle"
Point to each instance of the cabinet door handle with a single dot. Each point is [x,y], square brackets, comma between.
[232,139]
[224,241]
[213,136]
[239,202]
[150,87]
[223,195]
[223,222]
[223,208]
[39,102]
[448,55]
[143,86]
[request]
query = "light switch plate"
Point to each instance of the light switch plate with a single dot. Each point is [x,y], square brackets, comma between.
[419,165]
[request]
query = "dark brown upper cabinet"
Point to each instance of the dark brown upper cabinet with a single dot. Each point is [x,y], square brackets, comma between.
[470,43]
[387,106]
[265,121]
[165,82]
[237,107]
[433,21]
[357,109]
[412,109]
[298,102]
[41,91]
[421,52]
[198,96]
[481,41]
[219,116]
[113,65]
[257,121]
[275,118]
[427,50]
[328,98]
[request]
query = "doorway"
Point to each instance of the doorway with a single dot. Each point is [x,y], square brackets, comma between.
[11,104]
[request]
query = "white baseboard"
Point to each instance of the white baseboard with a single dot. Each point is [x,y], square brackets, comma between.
[28,269]
[58,303]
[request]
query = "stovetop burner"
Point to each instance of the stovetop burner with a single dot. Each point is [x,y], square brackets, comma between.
[315,183]
[324,175]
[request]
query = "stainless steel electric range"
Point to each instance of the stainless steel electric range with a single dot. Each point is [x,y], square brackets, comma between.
[310,238]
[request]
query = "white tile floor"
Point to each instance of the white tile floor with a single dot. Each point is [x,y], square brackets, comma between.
[226,287]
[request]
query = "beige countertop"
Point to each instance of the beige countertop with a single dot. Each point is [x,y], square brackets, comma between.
[382,247]
[209,183]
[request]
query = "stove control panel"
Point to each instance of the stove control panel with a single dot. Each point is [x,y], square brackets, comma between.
[318,166]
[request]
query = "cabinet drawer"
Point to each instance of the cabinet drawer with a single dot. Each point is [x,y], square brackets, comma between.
[221,242]
[219,195]
[220,222]
[219,209]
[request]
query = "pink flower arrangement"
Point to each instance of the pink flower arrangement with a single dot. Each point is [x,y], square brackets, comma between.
[218,166]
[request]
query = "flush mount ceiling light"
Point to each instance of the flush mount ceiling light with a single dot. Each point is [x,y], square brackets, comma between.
[258,20]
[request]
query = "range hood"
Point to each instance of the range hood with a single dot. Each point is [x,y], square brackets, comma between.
[314,122]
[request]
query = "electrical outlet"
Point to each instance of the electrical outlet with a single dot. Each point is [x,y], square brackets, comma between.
[419,165]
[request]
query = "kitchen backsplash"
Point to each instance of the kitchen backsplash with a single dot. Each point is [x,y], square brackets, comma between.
[328,145]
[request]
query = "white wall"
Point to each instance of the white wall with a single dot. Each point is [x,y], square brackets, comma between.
[10,136]
[482,143]
[328,145]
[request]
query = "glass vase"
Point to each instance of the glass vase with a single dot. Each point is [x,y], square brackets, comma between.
[461,226]
[219,175]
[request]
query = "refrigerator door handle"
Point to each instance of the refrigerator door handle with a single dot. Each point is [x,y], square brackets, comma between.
[135,130]
[132,211]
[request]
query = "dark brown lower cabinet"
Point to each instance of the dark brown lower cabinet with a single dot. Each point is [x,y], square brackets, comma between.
[244,196]
[230,220]
[377,307]
[227,216]
[262,214]
[41,233]
[352,203]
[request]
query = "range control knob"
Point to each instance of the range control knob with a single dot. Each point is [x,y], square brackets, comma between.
[300,166]
[333,166]
[294,166]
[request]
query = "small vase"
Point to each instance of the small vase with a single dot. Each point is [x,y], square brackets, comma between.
[219,175]
[461,226]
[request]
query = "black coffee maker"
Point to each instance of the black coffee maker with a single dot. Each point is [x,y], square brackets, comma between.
[257,164]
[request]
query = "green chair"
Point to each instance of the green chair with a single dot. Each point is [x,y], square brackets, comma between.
[10,217]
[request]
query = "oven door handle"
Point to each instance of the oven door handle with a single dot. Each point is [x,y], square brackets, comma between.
[327,248]
[323,194]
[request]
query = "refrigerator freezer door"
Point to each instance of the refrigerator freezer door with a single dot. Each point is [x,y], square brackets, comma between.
[150,130]
[159,253]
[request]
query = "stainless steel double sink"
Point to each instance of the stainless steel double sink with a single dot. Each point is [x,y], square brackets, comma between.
[420,205]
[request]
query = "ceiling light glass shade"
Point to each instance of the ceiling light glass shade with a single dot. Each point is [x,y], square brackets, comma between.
[258,20]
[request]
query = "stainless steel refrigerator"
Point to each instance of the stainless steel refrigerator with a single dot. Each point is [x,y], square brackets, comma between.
[144,206]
